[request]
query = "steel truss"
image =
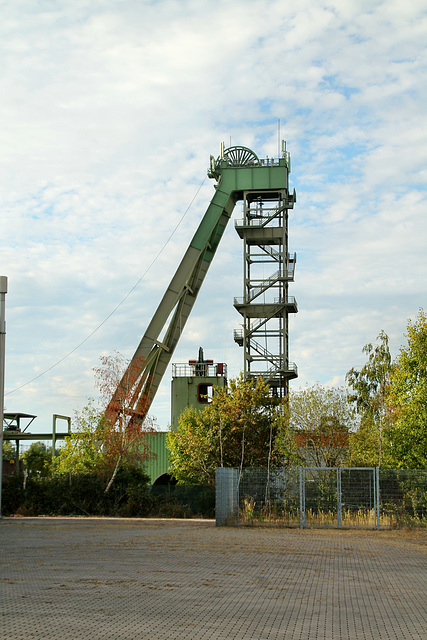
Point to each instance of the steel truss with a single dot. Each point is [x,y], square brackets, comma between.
[268,269]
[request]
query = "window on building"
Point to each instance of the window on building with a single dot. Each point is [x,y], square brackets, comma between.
[205,393]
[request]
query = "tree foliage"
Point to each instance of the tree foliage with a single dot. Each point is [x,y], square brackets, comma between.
[320,420]
[82,452]
[9,450]
[239,428]
[100,442]
[391,399]
[370,387]
[370,384]
[406,431]
[124,433]
[37,460]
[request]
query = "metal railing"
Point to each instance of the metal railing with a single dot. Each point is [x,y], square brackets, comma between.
[260,221]
[199,369]
[277,301]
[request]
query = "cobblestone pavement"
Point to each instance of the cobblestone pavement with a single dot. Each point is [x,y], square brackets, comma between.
[128,579]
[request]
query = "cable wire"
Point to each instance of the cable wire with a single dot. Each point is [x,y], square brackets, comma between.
[119,304]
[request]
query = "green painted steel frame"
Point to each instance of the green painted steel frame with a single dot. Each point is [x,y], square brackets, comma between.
[153,353]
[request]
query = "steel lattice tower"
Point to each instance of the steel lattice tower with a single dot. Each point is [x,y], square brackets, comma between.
[268,269]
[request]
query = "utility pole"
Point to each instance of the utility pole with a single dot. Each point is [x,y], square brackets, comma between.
[3,291]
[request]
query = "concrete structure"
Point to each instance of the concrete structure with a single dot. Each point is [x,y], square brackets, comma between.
[193,384]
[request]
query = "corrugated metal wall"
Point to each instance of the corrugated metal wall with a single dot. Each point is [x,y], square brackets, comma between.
[159,463]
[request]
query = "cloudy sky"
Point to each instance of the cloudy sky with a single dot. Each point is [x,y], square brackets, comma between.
[109,112]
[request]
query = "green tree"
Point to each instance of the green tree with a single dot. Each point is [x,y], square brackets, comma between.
[320,420]
[239,428]
[195,447]
[370,388]
[406,431]
[37,460]
[82,451]
[103,442]
[9,450]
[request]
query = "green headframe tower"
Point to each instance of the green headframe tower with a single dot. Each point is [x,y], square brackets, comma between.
[263,187]
[268,269]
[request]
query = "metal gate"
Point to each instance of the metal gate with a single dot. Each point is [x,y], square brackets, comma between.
[339,497]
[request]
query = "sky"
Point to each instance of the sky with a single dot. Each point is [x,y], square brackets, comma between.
[110,110]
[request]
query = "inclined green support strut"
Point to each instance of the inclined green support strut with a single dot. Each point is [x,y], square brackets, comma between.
[237,169]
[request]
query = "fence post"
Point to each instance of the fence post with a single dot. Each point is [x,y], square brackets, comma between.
[237,498]
[377,486]
[226,493]
[339,497]
[301,498]
[3,291]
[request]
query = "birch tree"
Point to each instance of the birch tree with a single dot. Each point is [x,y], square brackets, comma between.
[102,442]
[406,430]
[369,391]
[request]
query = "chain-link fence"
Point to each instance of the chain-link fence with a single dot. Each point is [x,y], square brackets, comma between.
[339,496]
[322,497]
[403,497]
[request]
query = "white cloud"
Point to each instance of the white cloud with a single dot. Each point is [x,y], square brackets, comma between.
[109,113]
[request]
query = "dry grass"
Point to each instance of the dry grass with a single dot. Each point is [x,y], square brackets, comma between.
[361,520]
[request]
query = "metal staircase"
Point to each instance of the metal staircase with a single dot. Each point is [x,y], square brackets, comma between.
[265,305]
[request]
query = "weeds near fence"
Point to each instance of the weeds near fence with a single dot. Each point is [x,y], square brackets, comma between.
[268,513]
[323,497]
[274,514]
[397,517]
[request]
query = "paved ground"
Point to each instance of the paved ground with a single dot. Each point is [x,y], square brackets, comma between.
[128,579]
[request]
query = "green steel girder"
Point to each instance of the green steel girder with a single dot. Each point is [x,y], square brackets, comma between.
[154,352]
